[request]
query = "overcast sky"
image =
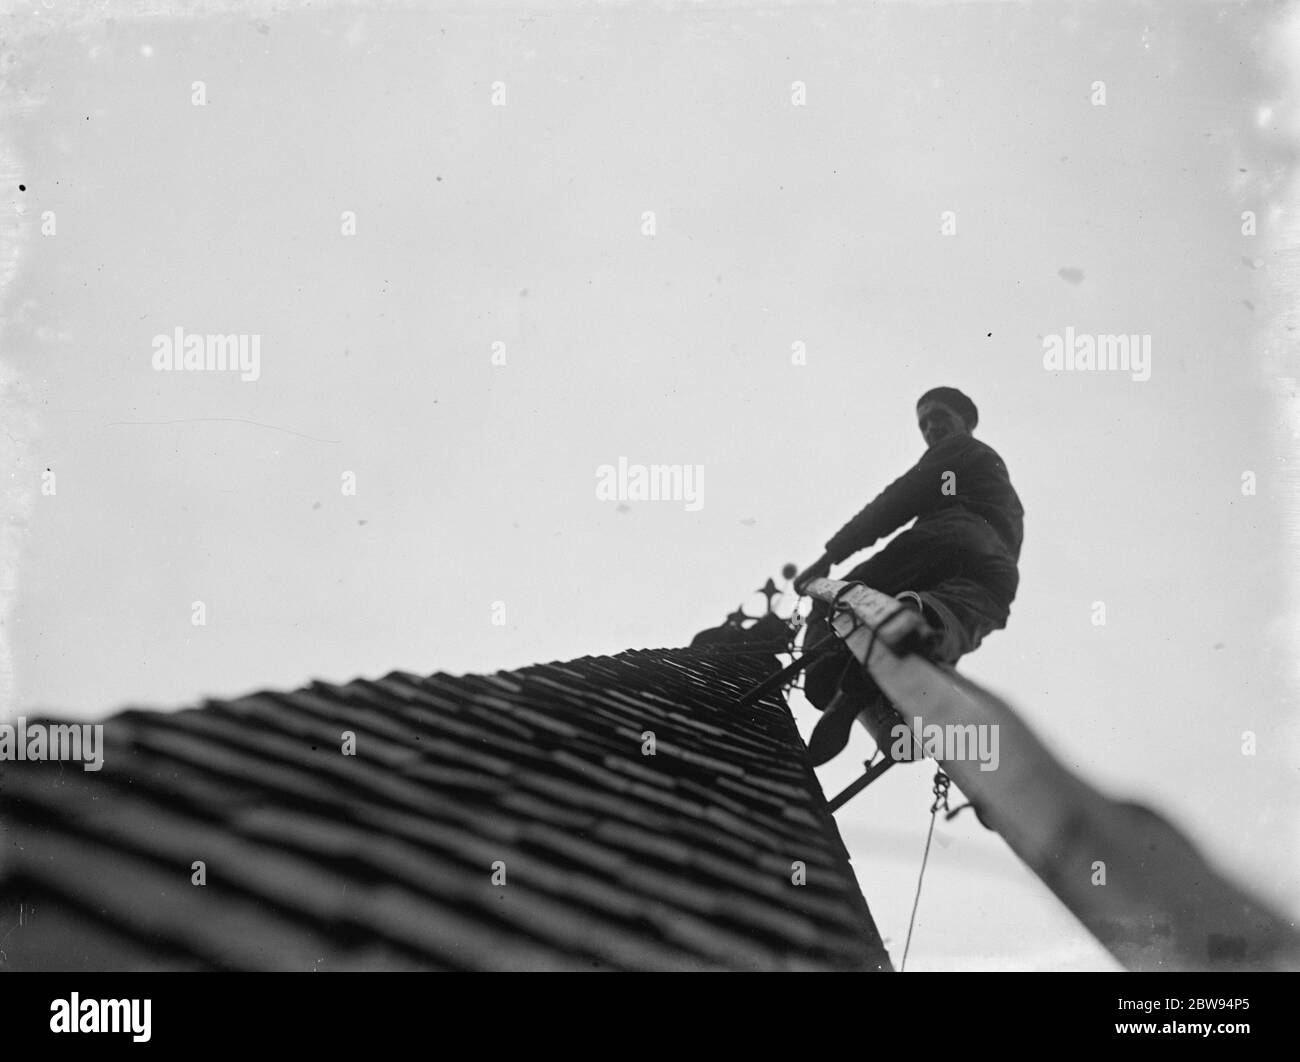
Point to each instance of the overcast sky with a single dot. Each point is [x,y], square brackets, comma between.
[775,224]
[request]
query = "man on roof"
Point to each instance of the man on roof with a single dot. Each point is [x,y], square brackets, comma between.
[956,565]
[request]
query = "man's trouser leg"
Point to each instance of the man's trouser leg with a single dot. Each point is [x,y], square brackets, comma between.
[822,678]
[890,571]
[843,688]
[908,561]
[967,610]
[964,609]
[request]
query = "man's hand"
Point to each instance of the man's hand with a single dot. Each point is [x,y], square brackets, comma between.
[819,569]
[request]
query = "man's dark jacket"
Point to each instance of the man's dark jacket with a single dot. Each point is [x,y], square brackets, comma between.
[977,527]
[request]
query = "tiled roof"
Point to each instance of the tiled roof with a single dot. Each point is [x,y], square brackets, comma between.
[385,859]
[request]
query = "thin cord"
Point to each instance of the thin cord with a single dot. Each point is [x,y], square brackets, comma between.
[940,790]
[917,901]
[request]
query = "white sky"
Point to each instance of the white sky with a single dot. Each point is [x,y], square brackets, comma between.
[775,224]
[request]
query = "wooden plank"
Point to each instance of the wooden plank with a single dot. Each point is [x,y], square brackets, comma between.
[1134,880]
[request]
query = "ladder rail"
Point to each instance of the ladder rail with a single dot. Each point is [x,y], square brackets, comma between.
[1162,906]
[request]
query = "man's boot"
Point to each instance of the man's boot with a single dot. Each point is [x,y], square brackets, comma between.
[858,699]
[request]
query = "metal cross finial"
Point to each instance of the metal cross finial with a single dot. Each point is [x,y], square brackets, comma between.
[742,626]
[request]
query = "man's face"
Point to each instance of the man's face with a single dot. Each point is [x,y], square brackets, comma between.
[938,422]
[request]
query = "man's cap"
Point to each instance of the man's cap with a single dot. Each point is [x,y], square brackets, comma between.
[954,400]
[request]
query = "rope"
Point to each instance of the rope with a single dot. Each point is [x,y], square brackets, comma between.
[818,648]
[940,790]
[831,636]
[804,653]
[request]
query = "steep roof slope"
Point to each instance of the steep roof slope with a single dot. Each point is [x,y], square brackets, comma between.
[499,822]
